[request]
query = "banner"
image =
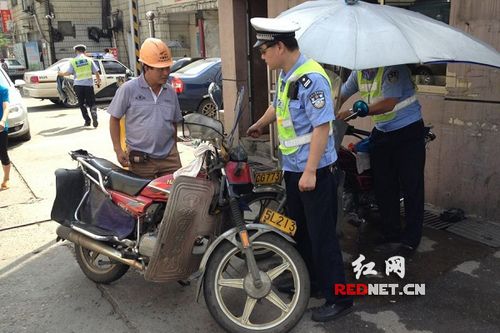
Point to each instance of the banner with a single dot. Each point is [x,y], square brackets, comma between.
[6,20]
[33,56]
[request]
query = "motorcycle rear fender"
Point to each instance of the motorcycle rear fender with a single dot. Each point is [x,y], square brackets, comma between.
[269,188]
[230,236]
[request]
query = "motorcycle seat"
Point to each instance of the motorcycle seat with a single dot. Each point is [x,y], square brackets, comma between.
[116,178]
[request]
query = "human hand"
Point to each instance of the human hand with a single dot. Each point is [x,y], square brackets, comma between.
[307,181]
[254,131]
[122,157]
[343,114]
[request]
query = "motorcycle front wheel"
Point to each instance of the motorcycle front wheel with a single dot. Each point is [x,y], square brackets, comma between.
[97,267]
[238,305]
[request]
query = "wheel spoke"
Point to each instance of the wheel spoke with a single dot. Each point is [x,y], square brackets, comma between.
[276,271]
[277,301]
[249,306]
[94,255]
[231,283]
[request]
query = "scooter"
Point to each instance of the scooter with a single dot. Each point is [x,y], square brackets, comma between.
[182,228]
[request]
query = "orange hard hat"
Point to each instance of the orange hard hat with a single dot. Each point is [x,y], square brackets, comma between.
[155,53]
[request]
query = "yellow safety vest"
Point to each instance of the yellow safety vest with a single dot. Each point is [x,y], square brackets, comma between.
[286,131]
[371,92]
[82,67]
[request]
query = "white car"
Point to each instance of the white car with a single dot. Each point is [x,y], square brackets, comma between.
[42,84]
[19,126]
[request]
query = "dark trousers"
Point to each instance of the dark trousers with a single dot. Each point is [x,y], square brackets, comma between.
[398,160]
[315,213]
[4,157]
[85,96]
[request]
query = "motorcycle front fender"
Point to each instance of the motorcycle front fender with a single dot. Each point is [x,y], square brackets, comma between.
[230,236]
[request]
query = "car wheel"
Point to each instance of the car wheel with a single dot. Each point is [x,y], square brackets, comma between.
[207,108]
[56,101]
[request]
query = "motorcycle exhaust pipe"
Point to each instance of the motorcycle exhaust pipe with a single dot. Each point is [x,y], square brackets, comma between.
[88,243]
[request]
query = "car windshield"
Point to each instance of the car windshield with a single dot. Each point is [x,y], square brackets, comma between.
[198,66]
[13,62]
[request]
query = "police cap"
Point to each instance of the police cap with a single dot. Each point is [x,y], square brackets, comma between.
[80,48]
[273,29]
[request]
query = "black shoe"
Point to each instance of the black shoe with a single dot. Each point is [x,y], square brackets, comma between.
[94,119]
[405,250]
[328,312]
[87,123]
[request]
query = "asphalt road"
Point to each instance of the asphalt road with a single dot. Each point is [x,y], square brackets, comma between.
[43,290]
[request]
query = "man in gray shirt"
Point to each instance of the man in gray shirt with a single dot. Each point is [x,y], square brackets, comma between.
[151,111]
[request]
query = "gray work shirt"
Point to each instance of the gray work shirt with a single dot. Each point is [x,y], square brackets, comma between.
[84,82]
[149,124]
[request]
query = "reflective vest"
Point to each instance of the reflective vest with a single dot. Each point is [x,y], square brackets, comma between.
[82,67]
[371,92]
[289,141]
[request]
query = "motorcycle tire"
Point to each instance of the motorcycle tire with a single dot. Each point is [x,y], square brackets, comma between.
[258,202]
[232,298]
[89,264]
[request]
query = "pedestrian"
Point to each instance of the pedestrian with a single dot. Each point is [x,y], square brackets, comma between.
[83,67]
[4,136]
[304,112]
[151,111]
[108,54]
[397,150]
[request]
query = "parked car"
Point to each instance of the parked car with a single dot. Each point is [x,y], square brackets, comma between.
[182,62]
[42,84]
[191,85]
[15,69]
[19,127]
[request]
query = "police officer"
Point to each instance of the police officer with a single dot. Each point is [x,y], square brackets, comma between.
[304,112]
[83,67]
[397,150]
[151,110]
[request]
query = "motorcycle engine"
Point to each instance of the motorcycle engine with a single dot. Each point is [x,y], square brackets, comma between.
[147,244]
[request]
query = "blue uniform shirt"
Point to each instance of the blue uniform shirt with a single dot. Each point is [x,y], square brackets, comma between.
[396,83]
[84,82]
[306,116]
[4,96]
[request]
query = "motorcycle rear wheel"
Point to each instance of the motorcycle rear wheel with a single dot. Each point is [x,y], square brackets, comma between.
[96,269]
[238,306]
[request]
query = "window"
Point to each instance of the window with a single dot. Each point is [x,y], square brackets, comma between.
[113,67]
[66,28]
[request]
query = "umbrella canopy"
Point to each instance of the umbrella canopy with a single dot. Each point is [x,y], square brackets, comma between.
[365,35]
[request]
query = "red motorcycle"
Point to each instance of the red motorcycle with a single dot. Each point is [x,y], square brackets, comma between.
[185,228]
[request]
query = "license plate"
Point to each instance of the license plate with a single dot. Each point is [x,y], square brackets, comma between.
[268,177]
[278,221]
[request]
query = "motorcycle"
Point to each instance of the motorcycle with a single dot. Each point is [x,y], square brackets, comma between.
[181,228]
[359,206]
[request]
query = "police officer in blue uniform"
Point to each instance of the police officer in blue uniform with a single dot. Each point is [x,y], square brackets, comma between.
[397,150]
[303,110]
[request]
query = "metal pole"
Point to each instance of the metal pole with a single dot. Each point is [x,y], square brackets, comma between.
[150,15]
[134,31]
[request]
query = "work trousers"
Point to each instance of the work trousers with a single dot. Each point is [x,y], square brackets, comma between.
[85,96]
[397,160]
[315,213]
[154,168]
